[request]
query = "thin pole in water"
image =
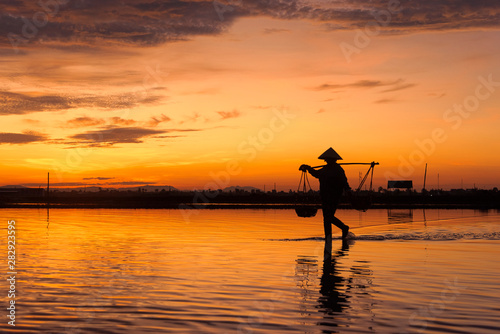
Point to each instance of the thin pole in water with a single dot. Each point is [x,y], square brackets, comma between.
[48,187]
[425,175]
[48,198]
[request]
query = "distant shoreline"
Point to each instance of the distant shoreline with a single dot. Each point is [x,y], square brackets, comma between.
[38,198]
[241,206]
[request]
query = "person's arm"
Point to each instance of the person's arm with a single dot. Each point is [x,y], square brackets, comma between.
[315,173]
[347,188]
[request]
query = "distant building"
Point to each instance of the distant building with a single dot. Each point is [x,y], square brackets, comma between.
[16,192]
[400,184]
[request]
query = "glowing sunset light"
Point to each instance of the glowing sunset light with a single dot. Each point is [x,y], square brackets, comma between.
[176,93]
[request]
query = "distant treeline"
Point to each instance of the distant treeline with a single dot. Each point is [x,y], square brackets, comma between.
[29,197]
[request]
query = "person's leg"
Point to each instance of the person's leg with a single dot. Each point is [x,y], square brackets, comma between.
[345,229]
[337,222]
[327,254]
[328,215]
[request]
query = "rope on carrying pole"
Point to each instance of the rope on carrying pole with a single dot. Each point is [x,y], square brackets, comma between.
[302,209]
[304,182]
[372,167]
[300,182]
[371,178]
[360,201]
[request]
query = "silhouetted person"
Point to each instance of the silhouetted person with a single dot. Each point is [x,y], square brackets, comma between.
[332,183]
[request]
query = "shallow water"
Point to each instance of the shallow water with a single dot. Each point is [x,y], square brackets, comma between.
[253,271]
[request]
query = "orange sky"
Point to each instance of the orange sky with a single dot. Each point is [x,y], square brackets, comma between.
[182,96]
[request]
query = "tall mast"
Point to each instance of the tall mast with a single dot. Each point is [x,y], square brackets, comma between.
[425,175]
[48,198]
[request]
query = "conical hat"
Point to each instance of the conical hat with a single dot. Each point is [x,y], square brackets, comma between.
[330,154]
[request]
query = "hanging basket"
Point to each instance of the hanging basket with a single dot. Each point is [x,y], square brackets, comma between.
[301,208]
[305,211]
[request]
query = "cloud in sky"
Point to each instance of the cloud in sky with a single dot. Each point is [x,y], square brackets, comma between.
[100,178]
[155,120]
[399,86]
[87,121]
[269,31]
[137,22]
[21,138]
[381,101]
[130,183]
[22,103]
[85,184]
[392,85]
[193,118]
[183,130]
[17,103]
[104,136]
[84,121]
[152,22]
[229,114]
[30,121]
[111,135]
[121,121]
[56,184]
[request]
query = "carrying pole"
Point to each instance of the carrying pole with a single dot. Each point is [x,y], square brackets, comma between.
[352,163]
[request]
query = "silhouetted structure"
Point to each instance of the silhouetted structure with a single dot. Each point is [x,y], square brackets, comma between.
[16,194]
[400,184]
[169,197]
[362,200]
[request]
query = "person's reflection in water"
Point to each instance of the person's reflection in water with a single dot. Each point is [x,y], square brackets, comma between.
[332,301]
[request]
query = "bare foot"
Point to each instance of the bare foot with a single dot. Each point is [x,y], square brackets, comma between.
[345,232]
